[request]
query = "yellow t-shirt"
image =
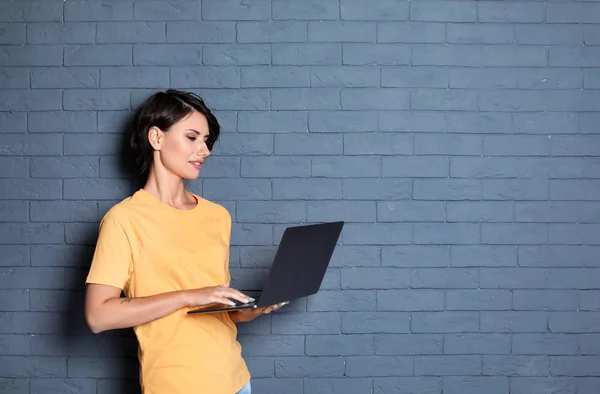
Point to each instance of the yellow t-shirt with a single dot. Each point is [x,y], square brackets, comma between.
[147,247]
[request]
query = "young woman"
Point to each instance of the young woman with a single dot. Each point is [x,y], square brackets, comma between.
[167,250]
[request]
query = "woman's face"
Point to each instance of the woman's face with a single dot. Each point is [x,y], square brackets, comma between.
[182,149]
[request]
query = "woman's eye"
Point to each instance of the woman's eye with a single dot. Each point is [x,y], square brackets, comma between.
[191,138]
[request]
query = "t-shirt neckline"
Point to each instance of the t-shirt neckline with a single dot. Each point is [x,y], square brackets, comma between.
[159,204]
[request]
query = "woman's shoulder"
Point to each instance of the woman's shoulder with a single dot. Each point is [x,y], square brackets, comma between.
[213,207]
[119,212]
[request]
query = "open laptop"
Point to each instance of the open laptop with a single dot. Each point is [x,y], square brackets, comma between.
[298,267]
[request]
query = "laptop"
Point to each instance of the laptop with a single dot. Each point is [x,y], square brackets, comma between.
[298,268]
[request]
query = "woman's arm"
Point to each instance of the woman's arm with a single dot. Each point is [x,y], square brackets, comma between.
[105,309]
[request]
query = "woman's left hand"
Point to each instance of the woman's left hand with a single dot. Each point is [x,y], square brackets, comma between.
[246,315]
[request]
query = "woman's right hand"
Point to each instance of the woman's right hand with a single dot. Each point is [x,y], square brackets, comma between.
[215,295]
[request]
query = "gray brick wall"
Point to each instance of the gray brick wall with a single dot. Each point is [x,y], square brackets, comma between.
[459,140]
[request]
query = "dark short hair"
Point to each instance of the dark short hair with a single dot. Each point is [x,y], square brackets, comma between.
[163,110]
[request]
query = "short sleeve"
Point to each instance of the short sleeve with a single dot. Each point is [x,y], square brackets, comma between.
[112,261]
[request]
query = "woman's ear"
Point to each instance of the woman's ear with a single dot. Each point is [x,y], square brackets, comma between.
[155,137]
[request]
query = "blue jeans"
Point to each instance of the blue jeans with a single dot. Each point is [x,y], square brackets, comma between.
[246,389]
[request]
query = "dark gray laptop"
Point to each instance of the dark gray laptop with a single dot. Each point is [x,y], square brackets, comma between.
[298,268]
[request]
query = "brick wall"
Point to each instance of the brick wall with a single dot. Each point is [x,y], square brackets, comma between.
[458,139]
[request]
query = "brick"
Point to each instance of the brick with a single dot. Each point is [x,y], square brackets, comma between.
[339,345]
[272,32]
[347,300]
[355,256]
[251,234]
[306,54]
[14,256]
[483,256]
[575,145]
[386,10]
[130,32]
[549,34]
[448,365]
[89,145]
[365,211]
[341,121]
[415,384]
[277,77]
[408,344]
[522,385]
[233,99]
[107,386]
[32,278]
[25,189]
[289,367]
[379,366]
[171,10]
[250,189]
[278,345]
[211,33]
[271,211]
[545,300]
[459,33]
[98,55]
[289,385]
[377,144]
[261,367]
[412,121]
[573,278]
[491,385]
[165,54]
[13,300]
[342,167]
[61,33]
[324,31]
[588,344]
[478,123]
[67,167]
[30,100]
[30,367]
[477,343]
[95,189]
[446,278]
[579,13]
[410,300]
[446,189]
[417,167]
[88,367]
[13,34]
[239,144]
[477,300]
[510,321]
[375,278]
[337,385]
[415,256]
[590,35]
[574,56]
[113,121]
[506,145]
[345,76]
[67,386]
[31,55]
[369,189]
[383,54]
[234,10]
[306,323]
[305,10]
[375,322]
[301,144]
[589,300]
[573,322]
[410,211]
[377,234]
[61,77]
[443,11]
[14,211]
[574,234]
[591,79]
[509,233]
[588,212]
[411,32]
[444,322]
[236,54]
[414,77]
[307,188]
[574,365]
[513,278]
[274,167]
[459,211]
[134,77]
[482,78]
[513,56]
[274,122]
[30,145]
[507,12]
[94,11]
[13,167]
[32,11]
[99,100]
[552,344]
[547,123]
[585,189]
[515,189]
[448,100]
[557,256]
[13,78]
[63,211]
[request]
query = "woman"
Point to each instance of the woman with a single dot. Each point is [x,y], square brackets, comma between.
[167,250]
